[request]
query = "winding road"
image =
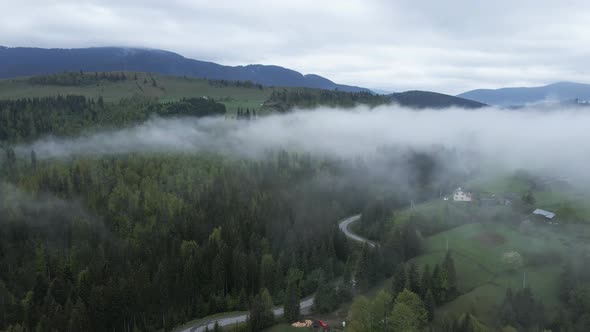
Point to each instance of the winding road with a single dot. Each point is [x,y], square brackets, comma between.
[305,304]
[349,234]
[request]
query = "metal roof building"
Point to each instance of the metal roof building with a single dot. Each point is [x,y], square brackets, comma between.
[544,213]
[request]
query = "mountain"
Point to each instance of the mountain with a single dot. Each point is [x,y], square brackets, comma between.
[24,61]
[557,92]
[427,99]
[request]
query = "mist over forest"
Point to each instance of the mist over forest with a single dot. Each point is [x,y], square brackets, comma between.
[505,140]
[294,166]
[218,212]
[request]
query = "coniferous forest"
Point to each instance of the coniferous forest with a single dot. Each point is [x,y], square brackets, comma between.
[151,240]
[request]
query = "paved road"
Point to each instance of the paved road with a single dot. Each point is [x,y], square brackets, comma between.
[344,228]
[305,304]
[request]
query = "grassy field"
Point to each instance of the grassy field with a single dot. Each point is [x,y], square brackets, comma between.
[459,212]
[498,184]
[571,204]
[489,231]
[482,276]
[168,88]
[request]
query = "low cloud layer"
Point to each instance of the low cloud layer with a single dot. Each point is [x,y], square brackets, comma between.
[41,208]
[549,141]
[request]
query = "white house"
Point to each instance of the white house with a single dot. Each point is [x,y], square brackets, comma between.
[461,196]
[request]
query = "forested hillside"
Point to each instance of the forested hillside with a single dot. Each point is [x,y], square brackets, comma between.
[283,100]
[116,86]
[148,239]
[152,241]
[24,120]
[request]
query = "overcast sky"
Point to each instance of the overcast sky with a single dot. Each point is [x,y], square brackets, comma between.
[448,46]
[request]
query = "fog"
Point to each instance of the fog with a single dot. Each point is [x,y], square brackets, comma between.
[41,208]
[555,141]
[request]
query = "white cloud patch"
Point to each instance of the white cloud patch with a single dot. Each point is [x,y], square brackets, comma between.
[555,142]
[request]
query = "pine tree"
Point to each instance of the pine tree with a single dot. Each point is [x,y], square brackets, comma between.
[291,306]
[325,298]
[467,324]
[437,285]
[414,278]
[363,269]
[429,305]
[426,282]
[261,314]
[399,280]
[449,266]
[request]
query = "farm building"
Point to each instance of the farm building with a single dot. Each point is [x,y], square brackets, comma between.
[461,196]
[546,214]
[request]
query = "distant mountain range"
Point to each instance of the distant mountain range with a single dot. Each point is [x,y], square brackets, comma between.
[557,92]
[24,61]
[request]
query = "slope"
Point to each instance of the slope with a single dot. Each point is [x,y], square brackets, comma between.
[562,91]
[21,61]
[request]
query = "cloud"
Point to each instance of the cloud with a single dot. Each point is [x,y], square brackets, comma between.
[42,209]
[553,142]
[449,46]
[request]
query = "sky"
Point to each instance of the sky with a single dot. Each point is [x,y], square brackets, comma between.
[447,46]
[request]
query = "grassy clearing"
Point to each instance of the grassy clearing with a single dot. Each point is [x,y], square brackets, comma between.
[482,276]
[482,301]
[453,212]
[544,281]
[498,184]
[571,205]
[469,274]
[485,299]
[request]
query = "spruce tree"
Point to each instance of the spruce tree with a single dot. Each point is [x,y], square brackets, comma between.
[426,282]
[363,269]
[261,314]
[414,278]
[429,305]
[437,285]
[467,324]
[399,280]
[291,305]
[449,266]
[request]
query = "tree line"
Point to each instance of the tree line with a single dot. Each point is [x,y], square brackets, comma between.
[409,303]
[27,119]
[284,100]
[79,78]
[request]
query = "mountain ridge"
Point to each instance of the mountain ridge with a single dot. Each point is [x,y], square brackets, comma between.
[31,61]
[514,96]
